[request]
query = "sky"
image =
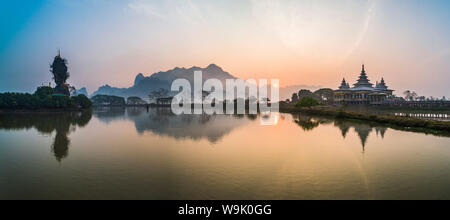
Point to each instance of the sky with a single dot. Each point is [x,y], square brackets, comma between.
[299,42]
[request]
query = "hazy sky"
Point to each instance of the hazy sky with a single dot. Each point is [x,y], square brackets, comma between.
[309,42]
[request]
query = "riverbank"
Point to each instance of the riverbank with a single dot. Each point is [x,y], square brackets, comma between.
[42,110]
[405,123]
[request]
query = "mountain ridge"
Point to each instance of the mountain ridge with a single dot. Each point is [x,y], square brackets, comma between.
[144,85]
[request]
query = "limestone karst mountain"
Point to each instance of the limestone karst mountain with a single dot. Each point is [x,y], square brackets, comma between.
[143,85]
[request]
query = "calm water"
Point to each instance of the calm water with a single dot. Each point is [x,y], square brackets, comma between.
[132,154]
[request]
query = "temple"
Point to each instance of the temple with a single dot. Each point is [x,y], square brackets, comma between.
[363,91]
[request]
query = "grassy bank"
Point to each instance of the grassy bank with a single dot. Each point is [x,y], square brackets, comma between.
[405,123]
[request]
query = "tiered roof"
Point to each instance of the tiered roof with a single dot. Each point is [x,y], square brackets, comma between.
[363,83]
[363,80]
[344,85]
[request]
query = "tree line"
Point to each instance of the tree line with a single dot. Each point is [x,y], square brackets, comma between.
[44,97]
[413,96]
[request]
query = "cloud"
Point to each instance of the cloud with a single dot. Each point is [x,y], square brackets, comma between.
[364,29]
[170,10]
[316,28]
[147,8]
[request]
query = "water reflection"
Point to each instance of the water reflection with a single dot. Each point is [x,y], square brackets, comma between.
[363,130]
[46,123]
[163,122]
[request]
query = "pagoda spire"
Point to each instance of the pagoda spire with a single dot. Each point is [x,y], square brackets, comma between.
[363,81]
[344,85]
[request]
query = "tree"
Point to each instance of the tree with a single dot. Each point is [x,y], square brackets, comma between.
[294,98]
[305,93]
[161,93]
[42,98]
[43,92]
[82,101]
[307,102]
[410,95]
[135,101]
[108,100]
[325,94]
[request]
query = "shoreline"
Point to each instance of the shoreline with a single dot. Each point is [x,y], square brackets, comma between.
[399,122]
[43,111]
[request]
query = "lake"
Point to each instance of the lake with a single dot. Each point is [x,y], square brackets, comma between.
[119,153]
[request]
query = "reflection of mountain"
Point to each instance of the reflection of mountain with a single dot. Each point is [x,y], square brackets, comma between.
[47,123]
[161,121]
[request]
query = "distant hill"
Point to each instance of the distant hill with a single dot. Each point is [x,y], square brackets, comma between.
[143,85]
[82,91]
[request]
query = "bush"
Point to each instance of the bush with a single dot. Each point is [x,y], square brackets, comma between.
[82,101]
[43,92]
[100,100]
[307,102]
[42,98]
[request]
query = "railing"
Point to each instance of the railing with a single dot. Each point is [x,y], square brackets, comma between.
[417,104]
[424,115]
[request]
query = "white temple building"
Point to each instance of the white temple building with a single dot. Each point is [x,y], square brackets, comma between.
[363,92]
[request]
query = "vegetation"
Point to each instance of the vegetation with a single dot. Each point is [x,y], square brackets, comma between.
[156,94]
[108,100]
[135,101]
[413,96]
[324,95]
[43,98]
[307,102]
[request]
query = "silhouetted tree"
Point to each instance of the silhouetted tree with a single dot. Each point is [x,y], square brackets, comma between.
[294,98]
[410,95]
[325,94]
[307,102]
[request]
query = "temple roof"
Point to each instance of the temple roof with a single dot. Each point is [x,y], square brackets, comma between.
[344,85]
[363,80]
[363,84]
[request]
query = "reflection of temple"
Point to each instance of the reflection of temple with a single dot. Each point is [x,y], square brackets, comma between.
[362,130]
[61,123]
[381,131]
[363,91]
